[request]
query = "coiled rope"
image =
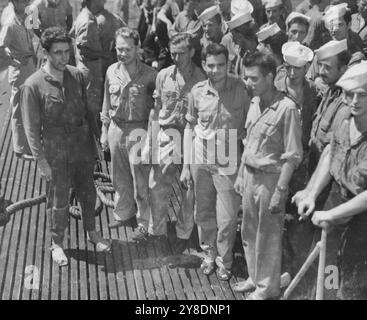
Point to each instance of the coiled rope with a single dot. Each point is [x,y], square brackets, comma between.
[102,187]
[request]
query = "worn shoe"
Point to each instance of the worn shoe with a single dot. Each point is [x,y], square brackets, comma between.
[131,222]
[58,255]
[244,286]
[224,274]
[208,267]
[102,245]
[140,234]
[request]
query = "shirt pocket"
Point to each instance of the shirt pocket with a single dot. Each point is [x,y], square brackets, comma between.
[115,94]
[54,106]
[137,103]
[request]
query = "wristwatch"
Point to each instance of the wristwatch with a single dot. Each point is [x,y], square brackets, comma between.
[281,189]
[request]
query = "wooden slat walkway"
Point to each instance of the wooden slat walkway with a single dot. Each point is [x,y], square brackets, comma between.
[131,271]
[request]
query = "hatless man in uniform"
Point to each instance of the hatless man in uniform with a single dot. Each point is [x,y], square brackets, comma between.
[172,88]
[272,151]
[343,164]
[89,53]
[273,11]
[16,39]
[127,103]
[61,132]
[216,117]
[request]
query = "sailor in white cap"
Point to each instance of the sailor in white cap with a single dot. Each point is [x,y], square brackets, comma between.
[333,59]
[337,20]
[212,26]
[271,40]
[240,39]
[297,25]
[274,11]
[344,162]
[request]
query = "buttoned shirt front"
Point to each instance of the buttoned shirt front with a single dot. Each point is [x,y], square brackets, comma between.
[322,125]
[210,110]
[128,99]
[348,160]
[172,94]
[274,136]
[52,15]
[56,117]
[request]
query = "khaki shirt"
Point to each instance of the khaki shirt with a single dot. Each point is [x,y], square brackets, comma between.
[18,39]
[53,15]
[86,33]
[126,99]
[348,160]
[210,110]
[172,95]
[274,136]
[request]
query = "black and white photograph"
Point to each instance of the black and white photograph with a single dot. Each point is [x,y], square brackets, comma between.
[183,155]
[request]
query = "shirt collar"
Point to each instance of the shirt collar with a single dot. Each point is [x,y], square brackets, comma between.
[50,78]
[228,86]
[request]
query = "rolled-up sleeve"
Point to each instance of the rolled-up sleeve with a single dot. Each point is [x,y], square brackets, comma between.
[292,137]
[31,115]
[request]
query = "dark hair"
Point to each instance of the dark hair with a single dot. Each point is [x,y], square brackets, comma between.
[276,42]
[53,35]
[214,49]
[126,32]
[343,58]
[217,18]
[264,61]
[299,20]
[85,3]
[181,37]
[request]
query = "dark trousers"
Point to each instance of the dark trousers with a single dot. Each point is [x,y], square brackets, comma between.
[64,176]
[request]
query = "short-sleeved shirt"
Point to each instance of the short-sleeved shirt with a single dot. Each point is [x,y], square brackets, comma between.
[235,55]
[184,23]
[210,111]
[323,122]
[126,99]
[18,39]
[274,136]
[348,162]
[307,108]
[52,15]
[86,34]
[56,117]
[172,94]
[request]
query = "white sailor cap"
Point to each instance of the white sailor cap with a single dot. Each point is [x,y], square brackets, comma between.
[330,49]
[354,78]
[268,32]
[335,12]
[271,3]
[243,16]
[293,15]
[241,6]
[296,54]
[208,13]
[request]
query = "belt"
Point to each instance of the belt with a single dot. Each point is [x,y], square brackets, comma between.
[68,129]
[124,124]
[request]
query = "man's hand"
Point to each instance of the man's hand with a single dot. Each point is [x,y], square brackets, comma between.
[186,177]
[306,206]
[238,185]
[299,196]
[277,201]
[45,169]
[104,141]
[320,217]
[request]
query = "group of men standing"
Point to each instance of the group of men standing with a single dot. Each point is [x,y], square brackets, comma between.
[260,102]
